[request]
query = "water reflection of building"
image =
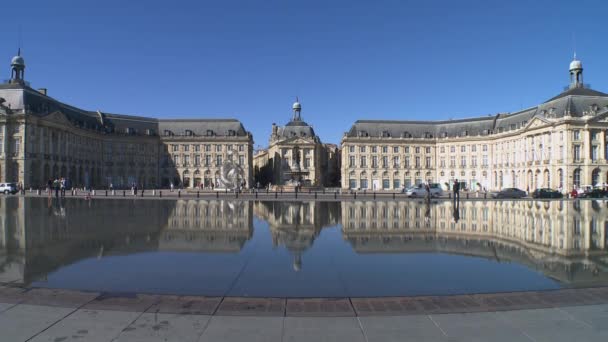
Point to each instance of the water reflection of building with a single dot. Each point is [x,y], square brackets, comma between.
[210,226]
[38,236]
[296,225]
[565,240]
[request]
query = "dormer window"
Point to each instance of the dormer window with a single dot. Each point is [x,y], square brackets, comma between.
[362,133]
[444,134]
[406,135]
[168,133]
[464,133]
[209,133]
[303,134]
[231,132]
[189,133]
[428,135]
[485,132]
[149,132]
[385,134]
[513,126]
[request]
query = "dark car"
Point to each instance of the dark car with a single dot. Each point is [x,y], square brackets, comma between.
[510,193]
[546,193]
[595,193]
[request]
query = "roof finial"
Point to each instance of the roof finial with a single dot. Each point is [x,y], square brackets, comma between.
[19,52]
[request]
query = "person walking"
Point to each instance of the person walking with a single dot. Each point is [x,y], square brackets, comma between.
[62,185]
[427,187]
[456,190]
[56,187]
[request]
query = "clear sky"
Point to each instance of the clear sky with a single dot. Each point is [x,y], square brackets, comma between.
[346,60]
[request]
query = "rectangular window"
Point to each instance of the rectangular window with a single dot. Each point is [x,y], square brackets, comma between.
[484,160]
[417,149]
[362,149]
[428,162]
[474,161]
[577,152]
[395,162]
[427,150]
[351,161]
[417,162]
[207,160]
[442,150]
[186,160]
[197,160]
[363,183]
[351,149]
[176,159]
[207,148]
[396,149]
[363,161]
[385,184]
[452,161]
[384,161]
[452,149]
[594,152]
[352,183]
[576,134]
[218,160]
[396,184]
[174,148]
[407,161]
[374,161]
[218,148]
[384,149]
[16,145]
[484,148]
[463,148]
[306,162]
[473,148]
[407,149]
[186,148]
[241,160]
[442,162]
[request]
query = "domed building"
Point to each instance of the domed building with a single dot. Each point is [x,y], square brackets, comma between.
[295,155]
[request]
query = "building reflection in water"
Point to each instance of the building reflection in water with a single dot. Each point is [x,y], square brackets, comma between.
[296,225]
[38,236]
[565,240]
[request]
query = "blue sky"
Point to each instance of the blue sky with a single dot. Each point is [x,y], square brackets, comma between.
[346,60]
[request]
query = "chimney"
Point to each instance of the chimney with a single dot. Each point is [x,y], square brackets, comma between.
[42,91]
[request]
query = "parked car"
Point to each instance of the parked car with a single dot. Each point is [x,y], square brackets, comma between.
[510,193]
[8,188]
[595,193]
[420,190]
[546,193]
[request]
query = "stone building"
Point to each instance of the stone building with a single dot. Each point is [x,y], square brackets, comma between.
[42,138]
[560,143]
[296,154]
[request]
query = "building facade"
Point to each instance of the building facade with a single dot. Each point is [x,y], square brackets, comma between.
[560,144]
[42,138]
[295,154]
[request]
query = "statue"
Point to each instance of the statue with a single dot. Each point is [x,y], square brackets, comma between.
[231,174]
[296,157]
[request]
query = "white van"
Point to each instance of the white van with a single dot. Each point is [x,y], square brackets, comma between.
[8,188]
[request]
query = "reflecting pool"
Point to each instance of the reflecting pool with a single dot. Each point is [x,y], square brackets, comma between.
[302,249]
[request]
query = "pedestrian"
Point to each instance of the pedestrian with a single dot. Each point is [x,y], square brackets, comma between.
[171,186]
[111,187]
[62,185]
[56,187]
[427,187]
[456,190]
[49,187]
[574,193]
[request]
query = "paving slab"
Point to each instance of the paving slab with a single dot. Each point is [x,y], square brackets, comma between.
[122,302]
[405,328]
[6,306]
[321,329]
[11,295]
[594,315]
[252,306]
[150,327]
[23,321]
[58,297]
[246,329]
[88,325]
[320,307]
[478,327]
[190,305]
[551,325]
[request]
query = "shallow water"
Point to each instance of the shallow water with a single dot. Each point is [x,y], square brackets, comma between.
[302,249]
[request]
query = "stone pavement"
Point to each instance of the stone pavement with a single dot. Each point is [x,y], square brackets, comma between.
[29,314]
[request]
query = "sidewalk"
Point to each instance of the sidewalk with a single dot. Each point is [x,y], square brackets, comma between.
[62,315]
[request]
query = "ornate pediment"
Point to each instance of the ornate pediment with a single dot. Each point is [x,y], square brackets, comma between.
[298,141]
[58,117]
[537,122]
[601,117]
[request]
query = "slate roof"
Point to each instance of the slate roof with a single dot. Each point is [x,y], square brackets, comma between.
[575,102]
[21,97]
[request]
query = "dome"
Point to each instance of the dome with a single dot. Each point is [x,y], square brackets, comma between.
[576,64]
[18,61]
[297,106]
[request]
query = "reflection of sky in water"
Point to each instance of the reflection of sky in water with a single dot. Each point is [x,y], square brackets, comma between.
[301,249]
